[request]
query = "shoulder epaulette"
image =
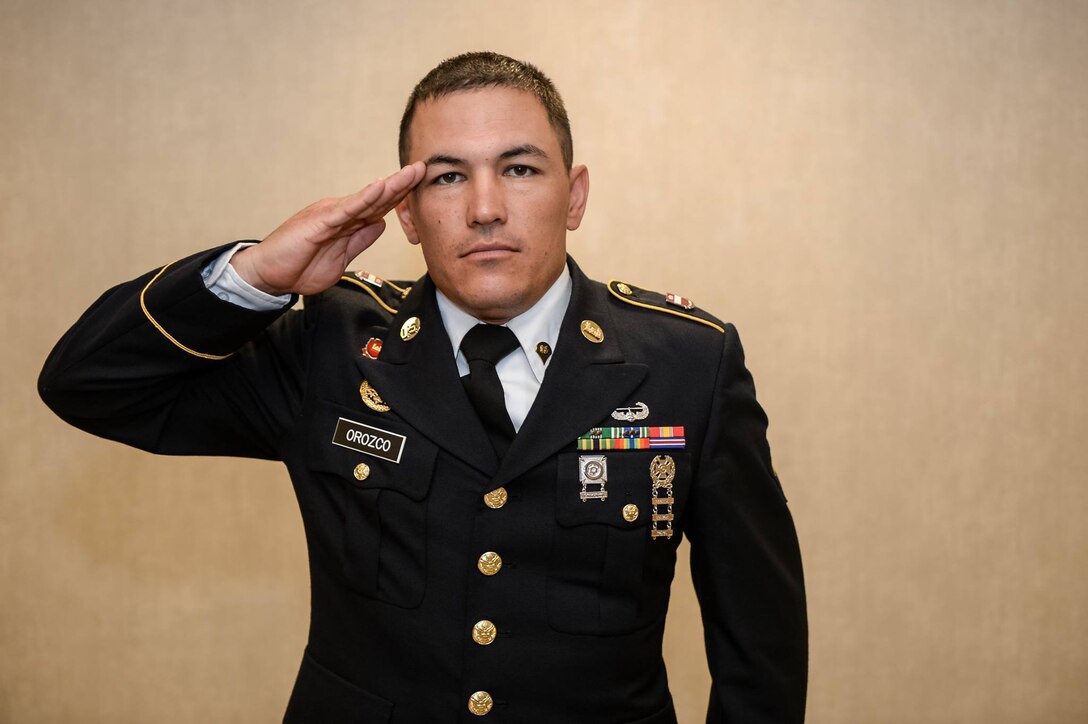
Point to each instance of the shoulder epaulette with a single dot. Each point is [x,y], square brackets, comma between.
[673,304]
[386,293]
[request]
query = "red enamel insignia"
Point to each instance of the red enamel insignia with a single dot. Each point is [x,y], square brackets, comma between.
[373,348]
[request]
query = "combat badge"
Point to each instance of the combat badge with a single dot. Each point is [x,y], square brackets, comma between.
[629,414]
[662,473]
[593,474]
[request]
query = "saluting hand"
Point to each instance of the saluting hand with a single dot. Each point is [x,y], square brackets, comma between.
[308,252]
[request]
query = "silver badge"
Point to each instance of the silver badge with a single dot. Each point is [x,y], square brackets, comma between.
[593,474]
[629,414]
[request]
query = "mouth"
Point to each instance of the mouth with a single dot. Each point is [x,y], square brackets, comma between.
[488,250]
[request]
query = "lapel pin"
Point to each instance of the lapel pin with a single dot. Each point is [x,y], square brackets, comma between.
[371,398]
[544,350]
[409,329]
[592,331]
[629,414]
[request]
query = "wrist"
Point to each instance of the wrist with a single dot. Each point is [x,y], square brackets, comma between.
[246,265]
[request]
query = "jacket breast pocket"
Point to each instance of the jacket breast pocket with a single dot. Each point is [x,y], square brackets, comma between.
[605,533]
[383,470]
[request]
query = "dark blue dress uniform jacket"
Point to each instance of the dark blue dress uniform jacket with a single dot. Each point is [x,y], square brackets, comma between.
[579,603]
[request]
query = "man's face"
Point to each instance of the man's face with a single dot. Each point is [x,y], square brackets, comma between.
[492,212]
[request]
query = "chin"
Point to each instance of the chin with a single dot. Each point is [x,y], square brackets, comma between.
[495,305]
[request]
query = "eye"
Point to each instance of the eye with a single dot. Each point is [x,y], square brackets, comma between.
[521,171]
[450,177]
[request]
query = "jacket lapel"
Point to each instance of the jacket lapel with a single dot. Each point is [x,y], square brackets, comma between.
[418,379]
[583,384]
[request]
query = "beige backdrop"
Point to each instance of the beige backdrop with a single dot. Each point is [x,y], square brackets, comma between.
[887,197]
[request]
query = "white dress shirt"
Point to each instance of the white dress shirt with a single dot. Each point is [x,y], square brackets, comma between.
[522,371]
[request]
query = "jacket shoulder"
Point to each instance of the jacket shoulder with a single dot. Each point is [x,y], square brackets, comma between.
[388,294]
[673,305]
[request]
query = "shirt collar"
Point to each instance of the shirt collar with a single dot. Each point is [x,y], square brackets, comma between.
[539,323]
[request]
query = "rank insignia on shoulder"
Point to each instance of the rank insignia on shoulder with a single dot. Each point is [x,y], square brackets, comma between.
[679,301]
[384,292]
[368,278]
[670,304]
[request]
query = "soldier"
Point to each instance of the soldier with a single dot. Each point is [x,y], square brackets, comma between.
[495,463]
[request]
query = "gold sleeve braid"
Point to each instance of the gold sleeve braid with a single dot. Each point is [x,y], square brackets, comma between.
[163,332]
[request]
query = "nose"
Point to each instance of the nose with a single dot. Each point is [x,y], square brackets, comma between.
[486,202]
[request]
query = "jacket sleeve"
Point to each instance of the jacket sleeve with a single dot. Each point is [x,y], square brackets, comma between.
[162,364]
[745,562]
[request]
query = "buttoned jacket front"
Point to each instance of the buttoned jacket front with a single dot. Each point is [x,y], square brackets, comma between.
[409,552]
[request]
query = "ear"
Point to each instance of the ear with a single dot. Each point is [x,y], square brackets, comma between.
[404,215]
[579,192]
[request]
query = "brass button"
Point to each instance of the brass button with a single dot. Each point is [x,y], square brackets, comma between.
[624,289]
[362,471]
[496,498]
[630,512]
[483,632]
[480,703]
[489,563]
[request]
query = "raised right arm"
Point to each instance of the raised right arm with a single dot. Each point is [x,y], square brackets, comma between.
[163,364]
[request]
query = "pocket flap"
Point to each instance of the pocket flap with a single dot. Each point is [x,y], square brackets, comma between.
[370,451]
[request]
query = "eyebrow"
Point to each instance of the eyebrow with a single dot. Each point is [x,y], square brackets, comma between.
[525,149]
[445,160]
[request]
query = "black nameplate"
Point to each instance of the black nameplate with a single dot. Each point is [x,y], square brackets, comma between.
[370,440]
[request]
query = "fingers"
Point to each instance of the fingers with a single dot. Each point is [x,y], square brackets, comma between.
[361,240]
[378,198]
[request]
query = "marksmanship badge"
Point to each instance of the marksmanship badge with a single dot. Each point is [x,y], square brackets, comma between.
[593,474]
[662,473]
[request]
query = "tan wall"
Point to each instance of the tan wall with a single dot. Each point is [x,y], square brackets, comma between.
[888,198]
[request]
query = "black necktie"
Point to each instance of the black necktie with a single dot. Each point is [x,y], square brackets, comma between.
[483,347]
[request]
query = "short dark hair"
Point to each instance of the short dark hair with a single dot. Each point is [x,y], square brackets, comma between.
[488,70]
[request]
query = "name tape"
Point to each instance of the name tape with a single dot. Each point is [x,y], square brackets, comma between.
[370,440]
